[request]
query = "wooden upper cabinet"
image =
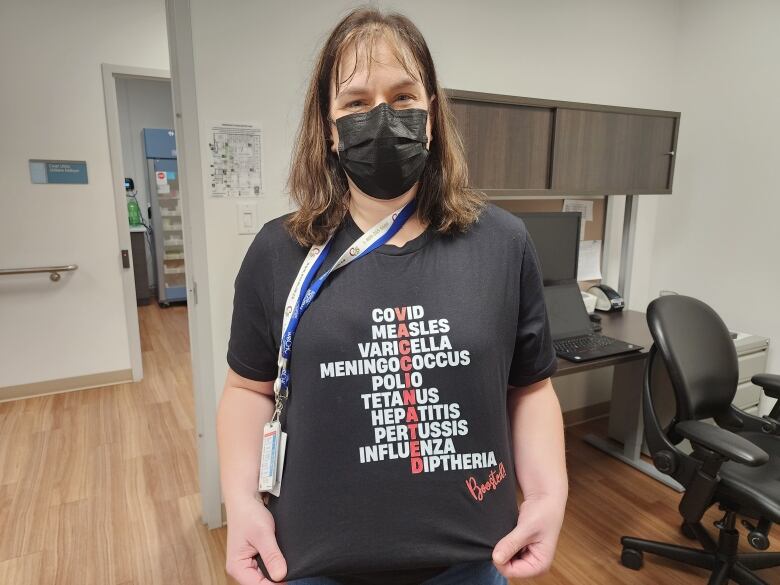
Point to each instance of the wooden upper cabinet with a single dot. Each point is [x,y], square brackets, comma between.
[525,146]
[507,146]
[612,153]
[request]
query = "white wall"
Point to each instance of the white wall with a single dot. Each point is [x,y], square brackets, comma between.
[718,237]
[253,61]
[52,107]
[142,103]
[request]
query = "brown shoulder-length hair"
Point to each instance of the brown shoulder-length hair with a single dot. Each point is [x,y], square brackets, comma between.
[317,182]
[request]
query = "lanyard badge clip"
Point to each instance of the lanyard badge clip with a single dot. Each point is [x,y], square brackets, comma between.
[280,396]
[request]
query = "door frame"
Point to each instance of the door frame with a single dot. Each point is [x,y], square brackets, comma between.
[195,258]
[110,74]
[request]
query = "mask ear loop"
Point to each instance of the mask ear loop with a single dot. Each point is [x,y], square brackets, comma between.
[329,140]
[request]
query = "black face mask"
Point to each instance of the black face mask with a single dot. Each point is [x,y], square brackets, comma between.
[383,150]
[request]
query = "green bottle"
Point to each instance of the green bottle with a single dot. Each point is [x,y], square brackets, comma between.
[133,211]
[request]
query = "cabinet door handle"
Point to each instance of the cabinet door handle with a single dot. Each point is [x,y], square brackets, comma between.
[670,153]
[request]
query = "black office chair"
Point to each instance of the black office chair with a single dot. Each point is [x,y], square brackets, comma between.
[735,464]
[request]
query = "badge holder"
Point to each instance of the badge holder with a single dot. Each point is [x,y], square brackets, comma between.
[272,453]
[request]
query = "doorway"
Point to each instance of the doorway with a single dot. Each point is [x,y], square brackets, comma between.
[127,91]
[152,187]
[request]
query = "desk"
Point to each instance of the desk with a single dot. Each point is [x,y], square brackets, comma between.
[625,410]
[140,271]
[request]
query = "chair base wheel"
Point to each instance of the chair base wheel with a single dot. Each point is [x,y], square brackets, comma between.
[632,558]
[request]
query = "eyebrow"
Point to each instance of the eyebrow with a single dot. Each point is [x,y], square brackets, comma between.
[395,87]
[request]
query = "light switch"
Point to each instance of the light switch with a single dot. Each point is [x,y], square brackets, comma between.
[247,218]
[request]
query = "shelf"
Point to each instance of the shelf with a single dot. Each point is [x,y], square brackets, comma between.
[172,280]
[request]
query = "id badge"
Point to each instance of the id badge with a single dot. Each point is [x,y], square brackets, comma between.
[272,458]
[269,455]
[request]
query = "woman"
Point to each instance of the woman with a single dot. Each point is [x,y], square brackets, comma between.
[419,392]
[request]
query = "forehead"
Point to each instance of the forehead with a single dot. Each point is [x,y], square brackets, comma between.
[369,52]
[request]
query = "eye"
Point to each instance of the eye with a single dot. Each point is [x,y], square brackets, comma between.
[354,104]
[405,95]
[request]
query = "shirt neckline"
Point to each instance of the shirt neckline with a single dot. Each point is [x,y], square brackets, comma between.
[390,249]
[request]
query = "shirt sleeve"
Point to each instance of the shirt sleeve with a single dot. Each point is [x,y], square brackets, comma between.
[253,349]
[534,356]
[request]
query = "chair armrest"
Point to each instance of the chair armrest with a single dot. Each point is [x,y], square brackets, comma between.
[722,442]
[737,420]
[769,382]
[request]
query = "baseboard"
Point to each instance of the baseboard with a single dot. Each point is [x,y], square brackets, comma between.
[60,385]
[586,413]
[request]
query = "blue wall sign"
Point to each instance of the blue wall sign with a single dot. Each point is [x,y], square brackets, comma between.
[62,172]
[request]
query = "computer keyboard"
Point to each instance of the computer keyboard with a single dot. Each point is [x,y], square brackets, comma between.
[582,343]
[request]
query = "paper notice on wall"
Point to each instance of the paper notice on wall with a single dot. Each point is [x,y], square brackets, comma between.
[163,188]
[236,160]
[589,262]
[582,206]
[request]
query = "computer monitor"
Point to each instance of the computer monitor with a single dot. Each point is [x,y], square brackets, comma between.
[556,237]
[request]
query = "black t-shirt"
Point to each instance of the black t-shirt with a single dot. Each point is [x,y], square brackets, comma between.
[399,458]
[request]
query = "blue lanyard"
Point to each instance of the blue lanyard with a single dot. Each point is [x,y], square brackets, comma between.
[374,238]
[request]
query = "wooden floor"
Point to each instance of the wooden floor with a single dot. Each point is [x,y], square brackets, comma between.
[100,487]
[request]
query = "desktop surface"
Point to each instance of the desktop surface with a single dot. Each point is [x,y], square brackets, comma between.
[626,325]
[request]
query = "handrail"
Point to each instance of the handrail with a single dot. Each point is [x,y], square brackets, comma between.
[54,271]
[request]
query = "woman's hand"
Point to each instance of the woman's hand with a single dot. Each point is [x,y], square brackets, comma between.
[251,530]
[535,538]
[540,466]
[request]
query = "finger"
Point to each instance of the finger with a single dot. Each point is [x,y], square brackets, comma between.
[266,545]
[508,546]
[245,572]
[531,562]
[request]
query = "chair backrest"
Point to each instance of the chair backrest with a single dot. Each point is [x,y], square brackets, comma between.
[698,352]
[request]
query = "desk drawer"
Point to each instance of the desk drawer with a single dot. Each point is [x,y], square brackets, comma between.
[747,396]
[751,364]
